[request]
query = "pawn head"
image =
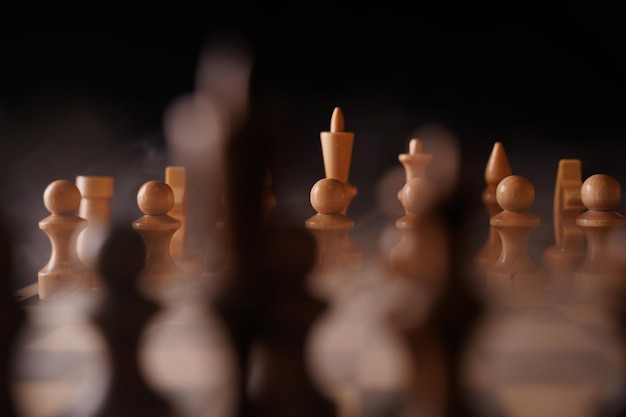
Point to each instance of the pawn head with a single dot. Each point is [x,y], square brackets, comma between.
[61,197]
[515,193]
[329,196]
[155,198]
[600,192]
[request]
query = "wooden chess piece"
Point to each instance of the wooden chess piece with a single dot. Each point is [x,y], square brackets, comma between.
[439,331]
[515,277]
[601,195]
[65,274]
[497,168]
[95,207]
[337,147]
[421,251]
[121,316]
[565,256]
[176,178]
[282,385]
[331,227]
[13,317]
[161,276]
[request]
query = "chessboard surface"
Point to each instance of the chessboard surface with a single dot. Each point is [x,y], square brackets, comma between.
[554,358]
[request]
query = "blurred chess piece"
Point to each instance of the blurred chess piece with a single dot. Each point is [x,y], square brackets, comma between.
[337,147]
[176,178]
[122,316]
[597,276]
[565,256]
[515,277]
[95,207]
[497,169]
[421,252]
[13,318]
[65,274]
[161,278]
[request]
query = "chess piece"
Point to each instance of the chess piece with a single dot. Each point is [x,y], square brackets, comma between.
[65,274]
[331,227]
[161,276]
[95,207]
[421,250]
[440,329]
[565,256]
[337,153]
[595,278]
[13,317]
[176,178]
[515,277]
[282,385]
[497,168]
[121,316]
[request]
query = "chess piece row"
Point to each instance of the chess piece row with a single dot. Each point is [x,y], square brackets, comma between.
[76,238]
[582,263]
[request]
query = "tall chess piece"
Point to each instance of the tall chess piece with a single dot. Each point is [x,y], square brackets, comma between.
[95,207]
[65,274]
[601,195]
[565,256]
[497,169]
[160,278]
[515,277]
[283,386]
[121,317]
[337,147]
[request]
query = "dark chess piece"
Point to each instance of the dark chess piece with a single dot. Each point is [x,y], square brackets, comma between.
[121,316]
[12,319]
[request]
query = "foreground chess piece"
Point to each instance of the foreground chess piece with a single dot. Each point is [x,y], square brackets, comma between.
[160,277]
[497,169]
[337,147]
[283,385]
[65,274]
[562,259]
[596,276]
[330,227]
[13,317]
[121,317]
[515,277]
[95,207]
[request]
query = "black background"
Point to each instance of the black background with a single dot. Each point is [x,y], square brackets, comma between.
[544,78]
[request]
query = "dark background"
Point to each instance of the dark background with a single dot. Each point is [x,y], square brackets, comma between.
[83,91]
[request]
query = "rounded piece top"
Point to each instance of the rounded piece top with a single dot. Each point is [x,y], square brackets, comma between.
[600,192]
[329,196]
[515,193]
[155,198]
[61,197]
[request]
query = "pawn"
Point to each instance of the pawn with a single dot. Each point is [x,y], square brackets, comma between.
[330,227]
[65,274]
[160,276]
[600,194]
[121,316]
[515,277]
